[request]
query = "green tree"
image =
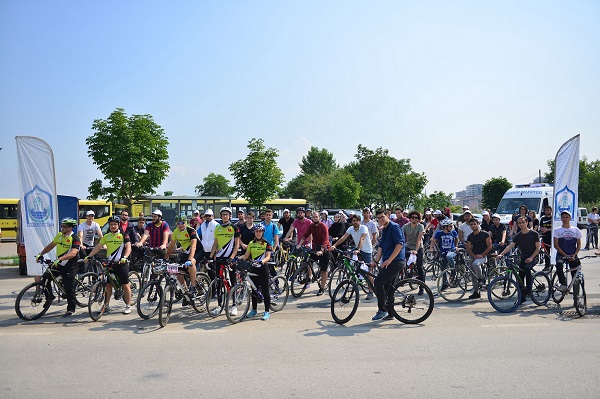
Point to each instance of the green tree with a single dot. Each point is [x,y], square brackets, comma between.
[296,188]
[385,180]
[493,190]
[168,193]
[215,185]
[436,200]
[131,153]
[345,190]
[318,162]
[257,177]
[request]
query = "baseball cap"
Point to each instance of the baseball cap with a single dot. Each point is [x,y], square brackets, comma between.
[325,212]
[567,212]
[196,212]
[437,212]
[484,213]
[286,210]
[90,213]
[467,211]
[208,212]
[157,212]
[465,207]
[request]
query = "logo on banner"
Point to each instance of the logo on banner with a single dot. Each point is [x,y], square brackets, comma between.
[564,201]
[38,208]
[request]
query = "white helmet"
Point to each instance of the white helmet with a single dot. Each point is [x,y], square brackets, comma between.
[226,209]
[446,222]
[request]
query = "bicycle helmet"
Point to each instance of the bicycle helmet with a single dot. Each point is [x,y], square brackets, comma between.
[300,209]
[180,218]
[259,227]
[114,219]
[69,222]
[446,222]
[226,209]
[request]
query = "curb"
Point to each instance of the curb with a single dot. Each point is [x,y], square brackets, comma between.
[9,262]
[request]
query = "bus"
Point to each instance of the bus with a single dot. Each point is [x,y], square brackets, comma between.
[103,209]
[8,218]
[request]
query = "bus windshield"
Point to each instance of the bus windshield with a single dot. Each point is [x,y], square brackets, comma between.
[508,206]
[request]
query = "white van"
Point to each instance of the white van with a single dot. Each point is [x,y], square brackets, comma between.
[582,221]
[533,196]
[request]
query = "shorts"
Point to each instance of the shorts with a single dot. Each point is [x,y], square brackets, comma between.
[367,257]
[182,258]
[121,271]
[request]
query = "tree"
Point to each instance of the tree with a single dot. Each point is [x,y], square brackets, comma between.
[296,188]
[345,190]
[318,162]
[437,200]
[215,185]
[131,153]
[168,193]
[493,190]
[589,179]
[385,180]
[257,177]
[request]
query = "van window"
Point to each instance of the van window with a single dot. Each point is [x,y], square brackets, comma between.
[511,205]
[583,212]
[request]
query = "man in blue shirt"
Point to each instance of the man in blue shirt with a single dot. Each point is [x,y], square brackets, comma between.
[391,256]
[271,230]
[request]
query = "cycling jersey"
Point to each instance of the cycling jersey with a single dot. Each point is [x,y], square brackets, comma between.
[64,243]
[225,235]
[258,249]
[115,245]
[185,237]
[156,233]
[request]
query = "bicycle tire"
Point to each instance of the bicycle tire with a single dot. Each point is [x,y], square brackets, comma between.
[279,291]
[199,300]
[238,297]
[96,300]
[148,300]
[579,297]
[292,266]
[540,289]
[300,281]
[32,302]
[456,285]
[344,302]
[504,294]
[557,295]
[135,284]
[217,295]
[166,305]
[82,290]
[338,275]
[407,305]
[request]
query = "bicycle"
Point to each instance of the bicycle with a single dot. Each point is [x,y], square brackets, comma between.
[504,293]
[308,272]
[576,288]
[97,300]
[240,294]
[344,268]
[408,306]
[453,283]
[218,289]
[36,298]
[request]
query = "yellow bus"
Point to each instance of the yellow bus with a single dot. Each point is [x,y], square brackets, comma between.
[103,209]
[8,218]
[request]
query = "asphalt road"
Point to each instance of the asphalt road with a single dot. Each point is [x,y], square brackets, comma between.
[464,350]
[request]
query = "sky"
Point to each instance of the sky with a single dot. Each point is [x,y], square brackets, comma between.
[467,90]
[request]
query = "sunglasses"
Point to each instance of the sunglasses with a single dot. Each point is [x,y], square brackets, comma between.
[180,223]
[414,217]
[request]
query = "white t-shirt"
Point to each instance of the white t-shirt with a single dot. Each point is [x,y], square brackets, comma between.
[207,231]
[466,230]
[362,229]
[87,233]
[593,217]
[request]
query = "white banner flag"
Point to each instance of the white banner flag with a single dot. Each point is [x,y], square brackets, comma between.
[39,207]
[566,181]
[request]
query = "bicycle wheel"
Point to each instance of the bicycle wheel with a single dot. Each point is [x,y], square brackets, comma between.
[405,303]
[540,289]
[217,294]
[96,301]
[291,267]
[557,295]
[148,300]
[32,302]
[300,281]
[279,291]
[338,275]
[146,271]
[504,294]
[135,283]
[344,302]
[166,305]
[579,298]
[238,302]
[452,285]
[83,286]
[199,299]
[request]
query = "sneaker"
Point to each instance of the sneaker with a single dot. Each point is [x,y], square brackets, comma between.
[266,316]
[233,311]
[320,292]
[369,296]
[127,309]
[69,313]
[562,288]
[475,295]
[307,286]
[184,301]
[444,287]
[388,317]
[106,309]
[379,315]
[251,314]
[192,291]
[214,312]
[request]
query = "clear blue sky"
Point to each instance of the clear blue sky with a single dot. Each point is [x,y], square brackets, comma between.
[468,90]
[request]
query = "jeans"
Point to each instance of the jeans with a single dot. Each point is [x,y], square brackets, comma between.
[447,261]
[560,270]
[525,274]
[386,275]
[475,267]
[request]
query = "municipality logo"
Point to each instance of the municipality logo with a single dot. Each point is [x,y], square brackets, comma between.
[38,208]
[564,201]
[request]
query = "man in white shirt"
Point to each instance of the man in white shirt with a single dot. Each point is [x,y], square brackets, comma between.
[206,233]
[88,231]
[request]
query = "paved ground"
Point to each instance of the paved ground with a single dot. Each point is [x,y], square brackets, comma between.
[464,350]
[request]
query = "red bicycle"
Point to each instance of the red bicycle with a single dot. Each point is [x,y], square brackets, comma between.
[218,289]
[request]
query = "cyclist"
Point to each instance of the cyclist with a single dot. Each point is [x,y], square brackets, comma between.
[246,231]
[226,244]
[325,218]
[498,232]
[67,246]
[272,232]
[206,233]
[465,229]
[391,256]
[479,244]
[448,242]
[371,225]
[546,232]
[524,212]
[529,242]
[88,231]
[567,242]
[360,234]
[486,224]
[318,234]
[188,239]
[118,248]
[413,233]
[259,251]
[593,219]
[300,225]
[285,223]
[158,231]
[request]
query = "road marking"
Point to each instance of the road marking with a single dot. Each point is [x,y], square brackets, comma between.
[515,325]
